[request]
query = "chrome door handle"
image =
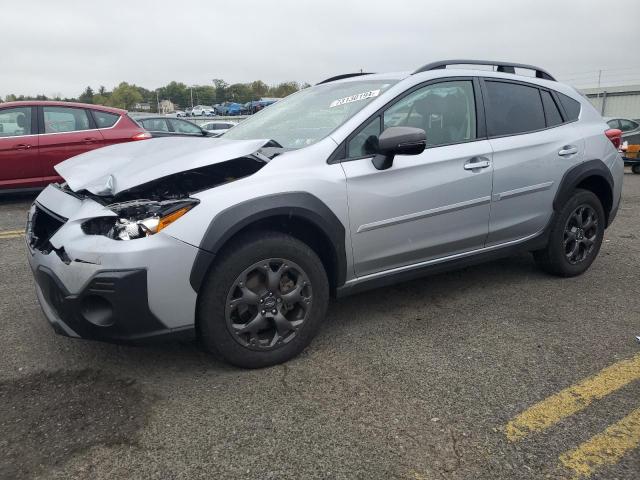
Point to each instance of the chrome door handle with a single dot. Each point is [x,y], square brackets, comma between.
[477,162]
[22,146]
[568,150]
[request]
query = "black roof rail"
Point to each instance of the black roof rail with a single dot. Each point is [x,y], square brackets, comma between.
[344,75]
[505,67]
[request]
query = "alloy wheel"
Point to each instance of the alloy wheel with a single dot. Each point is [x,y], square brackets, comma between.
[268,304]
[580,234]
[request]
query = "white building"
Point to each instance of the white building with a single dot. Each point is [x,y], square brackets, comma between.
[623,102]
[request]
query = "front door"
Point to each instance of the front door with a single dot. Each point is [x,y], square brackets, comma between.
[19,163]
[425,206]
[66,132]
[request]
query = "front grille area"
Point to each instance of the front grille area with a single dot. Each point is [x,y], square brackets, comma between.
[44,224]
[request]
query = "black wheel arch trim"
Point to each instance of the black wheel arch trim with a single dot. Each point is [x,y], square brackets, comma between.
[578,173]
[301,205]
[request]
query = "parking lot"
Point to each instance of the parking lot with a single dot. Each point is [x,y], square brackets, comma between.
[495,372]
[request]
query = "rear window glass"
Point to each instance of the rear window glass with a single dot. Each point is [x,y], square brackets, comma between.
[105,119]
[551,110]
[64,119]
[571,107]
[513,109]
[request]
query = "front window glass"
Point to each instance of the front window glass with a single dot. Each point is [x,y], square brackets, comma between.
[311,114]
[627,125]
[64,119]
[366,141]
[445,111]
[181,126]
[155,125]
[15,121]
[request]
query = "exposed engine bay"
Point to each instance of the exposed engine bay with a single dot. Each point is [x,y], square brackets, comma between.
[148,208]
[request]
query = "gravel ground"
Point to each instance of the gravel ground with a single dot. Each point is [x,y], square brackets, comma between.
[414,381]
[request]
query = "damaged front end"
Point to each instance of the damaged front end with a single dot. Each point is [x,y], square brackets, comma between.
[147,209]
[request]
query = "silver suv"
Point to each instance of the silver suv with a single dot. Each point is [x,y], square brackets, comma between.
[357,182]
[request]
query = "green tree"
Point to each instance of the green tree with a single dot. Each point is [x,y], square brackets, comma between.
[221,87]
[86,96]
[259,89]
[124,96]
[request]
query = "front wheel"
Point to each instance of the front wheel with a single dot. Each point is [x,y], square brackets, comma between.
[263,303]
[575,237]
[635,169]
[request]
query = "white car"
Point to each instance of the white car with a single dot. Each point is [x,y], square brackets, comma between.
[181,113]
[202,111]
[218,128]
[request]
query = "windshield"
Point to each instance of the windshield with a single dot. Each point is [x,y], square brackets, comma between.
[311,114]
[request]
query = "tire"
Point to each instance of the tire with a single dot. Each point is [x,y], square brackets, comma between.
[238,291]
[635,169]
[574,242]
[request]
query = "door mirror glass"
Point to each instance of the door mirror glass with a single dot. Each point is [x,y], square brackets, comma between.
[398,141]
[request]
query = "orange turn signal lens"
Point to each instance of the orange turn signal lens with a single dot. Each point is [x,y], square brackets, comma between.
[172,217]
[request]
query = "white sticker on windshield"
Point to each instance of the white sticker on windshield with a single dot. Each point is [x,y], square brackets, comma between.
[355,98]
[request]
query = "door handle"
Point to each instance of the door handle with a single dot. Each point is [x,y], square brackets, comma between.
[568,150]
[90,140]
[477,162]
[22,146]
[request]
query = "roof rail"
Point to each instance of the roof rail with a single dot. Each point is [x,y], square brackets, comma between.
[344,75]
[505,67]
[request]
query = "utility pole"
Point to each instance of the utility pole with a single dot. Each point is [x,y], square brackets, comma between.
[191,87]
[599,77]
[158,101]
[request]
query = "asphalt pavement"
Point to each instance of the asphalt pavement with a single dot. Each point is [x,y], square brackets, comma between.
[496,371]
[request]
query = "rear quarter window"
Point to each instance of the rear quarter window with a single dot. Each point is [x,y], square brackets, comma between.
[105,119]
[571,107]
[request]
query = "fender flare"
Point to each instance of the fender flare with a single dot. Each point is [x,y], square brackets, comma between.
[292,204]
[572,178]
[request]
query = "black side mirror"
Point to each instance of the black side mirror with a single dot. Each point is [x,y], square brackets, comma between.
[398,141]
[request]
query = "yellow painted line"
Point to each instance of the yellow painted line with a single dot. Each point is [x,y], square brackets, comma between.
[14,235]
[573,399]
[12,232]
[606,448]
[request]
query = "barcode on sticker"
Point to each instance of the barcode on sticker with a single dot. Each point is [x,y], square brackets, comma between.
[355,98]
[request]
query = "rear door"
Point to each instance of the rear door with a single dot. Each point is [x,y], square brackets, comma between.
[19,163]
[66,132]
[534,143]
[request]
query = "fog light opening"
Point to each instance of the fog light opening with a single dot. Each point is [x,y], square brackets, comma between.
[97,310]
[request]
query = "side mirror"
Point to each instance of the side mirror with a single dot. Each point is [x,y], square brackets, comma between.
[398,141]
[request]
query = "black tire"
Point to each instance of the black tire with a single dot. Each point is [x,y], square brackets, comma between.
[218,321]
[566,254]
[635,169]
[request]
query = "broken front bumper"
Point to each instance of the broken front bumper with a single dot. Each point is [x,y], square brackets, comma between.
[93,287]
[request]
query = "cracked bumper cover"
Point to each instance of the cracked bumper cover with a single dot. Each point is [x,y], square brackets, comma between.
[111,290]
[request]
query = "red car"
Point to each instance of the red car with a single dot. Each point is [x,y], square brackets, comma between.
[36,135]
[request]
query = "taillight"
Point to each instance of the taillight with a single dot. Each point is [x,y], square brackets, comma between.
[615,135]
[141,136]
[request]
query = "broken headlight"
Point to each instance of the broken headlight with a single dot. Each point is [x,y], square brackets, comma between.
[138,218]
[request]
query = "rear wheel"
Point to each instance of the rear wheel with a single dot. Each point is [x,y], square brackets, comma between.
[576,236]
[635,169]
[263,303]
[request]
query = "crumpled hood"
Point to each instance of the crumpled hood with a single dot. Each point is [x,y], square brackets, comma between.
[114,169]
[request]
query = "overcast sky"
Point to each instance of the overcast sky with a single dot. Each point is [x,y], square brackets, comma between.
[61,46]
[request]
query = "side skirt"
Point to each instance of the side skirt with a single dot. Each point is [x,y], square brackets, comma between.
[439,265]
